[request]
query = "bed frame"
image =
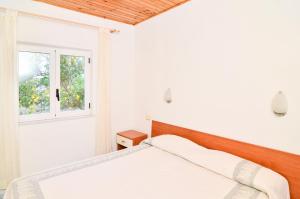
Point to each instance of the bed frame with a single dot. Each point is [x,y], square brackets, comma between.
[287,164]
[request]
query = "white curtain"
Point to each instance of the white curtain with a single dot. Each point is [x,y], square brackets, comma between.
[9,158]
[103,121]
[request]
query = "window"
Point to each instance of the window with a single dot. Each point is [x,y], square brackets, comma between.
[53,83]
[34,83]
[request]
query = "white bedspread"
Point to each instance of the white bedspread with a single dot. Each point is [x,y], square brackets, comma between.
[147,174]
[143,172]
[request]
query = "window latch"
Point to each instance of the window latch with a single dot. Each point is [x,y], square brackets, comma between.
[57,94]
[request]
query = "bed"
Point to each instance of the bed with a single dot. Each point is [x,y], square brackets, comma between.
[167,166]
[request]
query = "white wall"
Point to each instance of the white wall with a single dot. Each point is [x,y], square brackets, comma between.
[49,144]
[224,61]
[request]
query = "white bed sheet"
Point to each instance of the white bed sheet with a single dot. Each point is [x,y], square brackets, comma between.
[147,174]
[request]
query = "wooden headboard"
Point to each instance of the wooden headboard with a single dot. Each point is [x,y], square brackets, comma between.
[286,164]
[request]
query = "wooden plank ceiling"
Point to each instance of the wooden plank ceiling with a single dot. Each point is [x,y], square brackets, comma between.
[126,11]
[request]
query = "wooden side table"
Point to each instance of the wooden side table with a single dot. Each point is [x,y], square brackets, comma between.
[129,138]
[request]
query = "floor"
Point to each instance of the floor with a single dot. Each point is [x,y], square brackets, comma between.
[1,194]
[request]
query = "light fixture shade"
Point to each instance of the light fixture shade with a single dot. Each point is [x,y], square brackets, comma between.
[168,96]
[280,104]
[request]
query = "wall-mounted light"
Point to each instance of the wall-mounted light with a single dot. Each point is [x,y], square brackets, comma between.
[168,96]
[280,104]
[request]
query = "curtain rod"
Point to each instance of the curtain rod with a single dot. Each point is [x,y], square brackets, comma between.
[111,30]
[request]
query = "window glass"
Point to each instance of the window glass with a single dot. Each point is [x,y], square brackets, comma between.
[72,84]
[34,83]
[53,82]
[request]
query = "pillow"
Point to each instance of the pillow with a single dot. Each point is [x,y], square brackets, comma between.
[233,167]
[174,144]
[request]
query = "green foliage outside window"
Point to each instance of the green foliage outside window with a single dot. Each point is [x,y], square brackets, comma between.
[34,83]
[71,82]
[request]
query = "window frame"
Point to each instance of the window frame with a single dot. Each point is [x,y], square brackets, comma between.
[87,85]
[54,73]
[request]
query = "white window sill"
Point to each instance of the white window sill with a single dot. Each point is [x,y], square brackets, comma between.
[59,119]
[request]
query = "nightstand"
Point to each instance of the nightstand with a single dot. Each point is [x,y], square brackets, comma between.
[129,138]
